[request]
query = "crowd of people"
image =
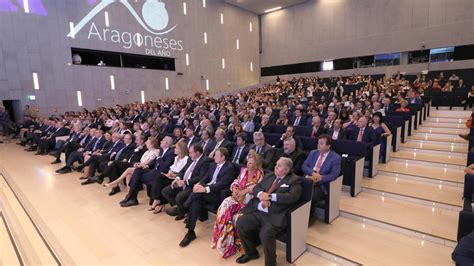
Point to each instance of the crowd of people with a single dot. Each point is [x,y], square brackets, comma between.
[192,153]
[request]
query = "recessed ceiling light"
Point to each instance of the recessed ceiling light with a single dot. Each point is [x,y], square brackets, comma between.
[272,9]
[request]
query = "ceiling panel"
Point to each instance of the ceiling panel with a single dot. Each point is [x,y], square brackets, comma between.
[259,6]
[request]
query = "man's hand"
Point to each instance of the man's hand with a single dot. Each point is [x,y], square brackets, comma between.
[110,163]
[264,196]
[179,183]
[316,177]
[198,188]
[266,204]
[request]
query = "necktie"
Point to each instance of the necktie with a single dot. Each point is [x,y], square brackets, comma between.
[297,120]
[204,145]
[95,144]
[259,150]
[274,185]
[237,155]
[189,171]
[319,163]
[361,133]
[214,176]
[117,156]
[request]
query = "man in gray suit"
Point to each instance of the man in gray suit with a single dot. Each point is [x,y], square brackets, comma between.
[207,143]
[266,213]
[263,148]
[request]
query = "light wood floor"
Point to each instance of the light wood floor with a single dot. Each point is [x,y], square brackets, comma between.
[372,245]
[86,226]
[435,147]
[8,255]
[420,170]
[453,158]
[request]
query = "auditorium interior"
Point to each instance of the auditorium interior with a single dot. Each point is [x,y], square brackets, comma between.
[225,132]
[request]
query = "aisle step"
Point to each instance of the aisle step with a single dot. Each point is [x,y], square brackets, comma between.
[444,125]
[371,245]
[439,138]
[446,120]
[432,221]
[426,191]
[444,131]
[435,147]
[430,172]
[442,158]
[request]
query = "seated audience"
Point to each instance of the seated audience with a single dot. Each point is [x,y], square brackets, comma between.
[263,148]
[208,192]
[290,151]
[224,238]
[239,154]
[322,166]
[165,179]
[266,212]
[160,164]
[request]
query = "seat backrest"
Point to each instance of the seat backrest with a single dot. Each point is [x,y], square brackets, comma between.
[302,131]
[307,190]
[271,138]
[350,147]
[394,120]
[279,129]
[309,144]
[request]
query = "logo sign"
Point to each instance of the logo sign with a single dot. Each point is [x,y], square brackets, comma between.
[154,20]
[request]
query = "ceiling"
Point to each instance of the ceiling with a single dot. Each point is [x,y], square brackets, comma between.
[259,6]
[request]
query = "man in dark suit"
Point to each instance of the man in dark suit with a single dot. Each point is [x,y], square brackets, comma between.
[290,150]
[263,148]
[336,132]
[387,105]
[72,143]
[298,120]
[208,191]
[322,166]
[266,213]
[166,127]
[141,176]
[364,133]
[290,133]
[207,143]
[316,128]
[104,156]
[78,156]
[47,142]
[194,171]
[221,142]
[190,139]
[123,154]
[241,150]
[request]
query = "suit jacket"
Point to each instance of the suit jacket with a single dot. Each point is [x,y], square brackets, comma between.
[242,159]
[288,193]
[226,144]
[163,163]
[302,121]
[340,136]
[126,153]
[297,157]
[329,171]
[369,136]
[136,155]
[100,143]
[224,178]
[199,171]
[114,147]
[59,132]
[189,142]
[321,130]
[209,146]
[267,153]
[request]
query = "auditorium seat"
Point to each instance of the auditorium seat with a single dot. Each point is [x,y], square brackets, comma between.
[466,215]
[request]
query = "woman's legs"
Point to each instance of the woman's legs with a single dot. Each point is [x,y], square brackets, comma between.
[124,175]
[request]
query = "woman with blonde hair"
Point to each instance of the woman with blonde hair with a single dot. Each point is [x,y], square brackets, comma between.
[224,237]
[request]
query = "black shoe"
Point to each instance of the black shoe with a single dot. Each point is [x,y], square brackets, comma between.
[180,216]
[79,168]
[188,238]
[61,169]
[83,178]
[466,136]
[114,191]
[246,258]
[129,203]
[65,170]
[100,180]
[56,161]
[124,200]
[173,211]
[90,180]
